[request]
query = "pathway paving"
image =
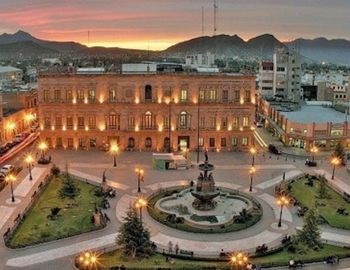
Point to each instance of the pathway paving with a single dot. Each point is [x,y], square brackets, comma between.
[337,183]
[23,189]
[286,214]
[6,213]
[272,182]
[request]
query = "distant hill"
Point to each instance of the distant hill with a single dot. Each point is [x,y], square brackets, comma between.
[224,46]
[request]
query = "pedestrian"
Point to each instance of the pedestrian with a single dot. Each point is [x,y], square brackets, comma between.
[170,247]
[176,249]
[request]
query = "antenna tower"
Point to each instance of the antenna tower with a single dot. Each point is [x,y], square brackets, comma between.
[215,12]
[202,21]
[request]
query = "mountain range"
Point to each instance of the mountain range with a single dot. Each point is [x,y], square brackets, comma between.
[22,44]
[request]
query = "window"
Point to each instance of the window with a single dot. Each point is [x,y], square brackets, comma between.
[200,141]
[234,141]
[112,120]
[69,95]
[184,95]
[213,122]
[80,95]
[131,122]
[57,95]
[167,92]
[47,123]
[183,120]
[235,122]
[112,95]
[237,95]
[223,142]
[245,121]
[202,122]
[281,69]
[147,120]
[166,121]
[69,122]
[131,142]
[46,95]
[211,142]
[212,95]
[70,143]
[148,142]
[148,92]
[201,95]
[91,95]
[59,142]
[92,122]
[247,96]
[224,122]
[81,142]
[93,142]
[81,124]
[58,122]
[244,141]
[225,95]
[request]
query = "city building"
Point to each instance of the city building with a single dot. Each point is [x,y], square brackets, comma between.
[10,75]
[281,77]
[337,94]
[308,126]
[147,111]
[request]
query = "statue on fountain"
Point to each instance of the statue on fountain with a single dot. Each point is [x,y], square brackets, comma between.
[205,191]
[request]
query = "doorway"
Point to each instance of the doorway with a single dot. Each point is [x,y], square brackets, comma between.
[184,142]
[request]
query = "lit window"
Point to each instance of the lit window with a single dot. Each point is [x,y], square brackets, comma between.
[245,121]
[184,95]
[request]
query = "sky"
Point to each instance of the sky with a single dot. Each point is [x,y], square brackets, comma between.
[158,24]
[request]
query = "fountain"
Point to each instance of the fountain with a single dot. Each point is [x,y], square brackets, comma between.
[205,191]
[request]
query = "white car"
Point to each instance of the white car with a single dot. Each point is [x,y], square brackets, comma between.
[6,169]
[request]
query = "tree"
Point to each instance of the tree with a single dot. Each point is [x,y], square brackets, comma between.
[310,235]
[69,188]
[322,190]
[339,152]
[133,237]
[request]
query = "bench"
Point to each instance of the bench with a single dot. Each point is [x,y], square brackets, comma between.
[186,252]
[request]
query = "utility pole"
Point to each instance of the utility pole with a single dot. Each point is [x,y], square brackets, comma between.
[202,21]
[215,11]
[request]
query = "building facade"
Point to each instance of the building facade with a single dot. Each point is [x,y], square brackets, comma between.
[147,111]
[10,75]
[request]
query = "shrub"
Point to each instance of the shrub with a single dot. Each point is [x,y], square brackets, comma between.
[55,170]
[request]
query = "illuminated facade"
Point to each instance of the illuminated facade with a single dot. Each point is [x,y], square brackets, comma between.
[88,111]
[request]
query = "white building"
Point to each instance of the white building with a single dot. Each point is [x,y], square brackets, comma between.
[200,60]
[10,75]
[282,76]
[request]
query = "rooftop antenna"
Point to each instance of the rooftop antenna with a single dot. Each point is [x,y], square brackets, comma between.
[215,11]
[202,21]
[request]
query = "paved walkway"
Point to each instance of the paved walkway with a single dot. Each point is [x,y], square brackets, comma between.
[273,182]
[23,189]
[337,183]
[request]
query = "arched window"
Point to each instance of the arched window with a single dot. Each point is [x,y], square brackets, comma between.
[147,120]
[166,143]
[131,142]
[183,120]
[148,142]
[148,92]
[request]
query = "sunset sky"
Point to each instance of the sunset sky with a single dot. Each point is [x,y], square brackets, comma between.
[157,24]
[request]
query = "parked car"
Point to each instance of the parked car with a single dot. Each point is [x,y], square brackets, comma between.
[3,149]
[310,163]
[259,124]
[19,138]
[273,149]
[11,144]
[6,169]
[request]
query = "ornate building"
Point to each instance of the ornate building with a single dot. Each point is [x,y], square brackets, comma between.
[147,111]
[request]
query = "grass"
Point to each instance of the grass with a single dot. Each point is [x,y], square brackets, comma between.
[307,196]
[229,227]
[158,261]
[37,228]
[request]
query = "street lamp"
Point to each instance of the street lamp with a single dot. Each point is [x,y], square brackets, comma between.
[282,201]
[139,178]
[251,172]
[88,260]
[240,259]
[313,150]
[42,147]
[10,178]
[335,161]
[253,152]
[140,202]
[114,149]
[29,160]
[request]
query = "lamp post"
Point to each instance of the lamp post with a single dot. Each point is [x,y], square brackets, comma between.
[253,152]
[313,150]
[251,172]
[10,178]
[42,147]
[140,173]
[198,126]
[114,149]
[169,117]
[335,161]
[29,160]
[88,260]
[239,259]
[140,202]
[282,201]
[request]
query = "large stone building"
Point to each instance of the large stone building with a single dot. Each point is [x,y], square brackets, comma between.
[89,111]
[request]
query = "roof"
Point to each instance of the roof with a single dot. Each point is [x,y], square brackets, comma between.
[9,69]
[315,114]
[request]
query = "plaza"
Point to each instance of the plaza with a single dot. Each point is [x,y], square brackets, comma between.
[231,171]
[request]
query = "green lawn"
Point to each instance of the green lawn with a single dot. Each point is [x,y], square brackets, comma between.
[307,196]
[37,228]
[157,261]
